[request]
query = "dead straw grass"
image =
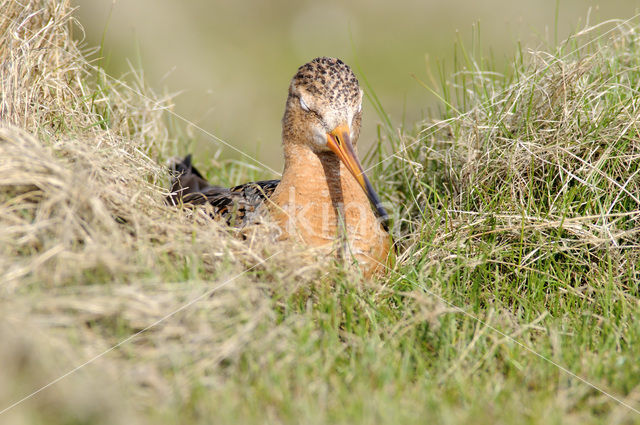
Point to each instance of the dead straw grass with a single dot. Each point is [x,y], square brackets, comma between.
[82,191]
[82,203]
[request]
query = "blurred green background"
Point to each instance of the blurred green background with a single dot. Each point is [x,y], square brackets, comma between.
[230,62]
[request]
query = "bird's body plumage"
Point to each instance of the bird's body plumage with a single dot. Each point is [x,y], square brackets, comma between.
[238,206]
[321,203]
[324,198]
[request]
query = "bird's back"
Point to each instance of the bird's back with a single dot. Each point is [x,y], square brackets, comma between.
[238,205]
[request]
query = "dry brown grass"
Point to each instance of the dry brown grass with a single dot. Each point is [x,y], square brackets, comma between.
[82,189]
[81,194]
[82,203]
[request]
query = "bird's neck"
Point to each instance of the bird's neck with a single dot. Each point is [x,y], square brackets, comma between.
[319,201]
[317,175]
[319,186]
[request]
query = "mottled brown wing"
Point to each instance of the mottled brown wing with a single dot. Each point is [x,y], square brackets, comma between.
[186,179]
[238,205]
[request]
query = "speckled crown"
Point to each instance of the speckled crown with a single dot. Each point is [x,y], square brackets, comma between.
[330,79]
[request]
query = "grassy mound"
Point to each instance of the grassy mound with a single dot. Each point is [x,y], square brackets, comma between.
[516,211]
[89,252]
[81,194]
[536,184]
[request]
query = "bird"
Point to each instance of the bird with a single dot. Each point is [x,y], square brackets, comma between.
[324,198]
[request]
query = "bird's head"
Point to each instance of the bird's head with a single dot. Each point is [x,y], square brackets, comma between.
[324,99]
[324,112]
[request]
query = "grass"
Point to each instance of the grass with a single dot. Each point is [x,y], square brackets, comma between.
[516,210]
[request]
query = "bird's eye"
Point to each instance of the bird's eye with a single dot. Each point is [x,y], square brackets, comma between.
[304,105]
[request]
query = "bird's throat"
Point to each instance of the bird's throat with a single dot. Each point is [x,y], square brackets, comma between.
[320,201]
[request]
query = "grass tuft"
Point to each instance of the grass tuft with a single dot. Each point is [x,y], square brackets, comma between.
[516,211]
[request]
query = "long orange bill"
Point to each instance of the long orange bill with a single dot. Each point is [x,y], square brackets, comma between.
[339,141]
